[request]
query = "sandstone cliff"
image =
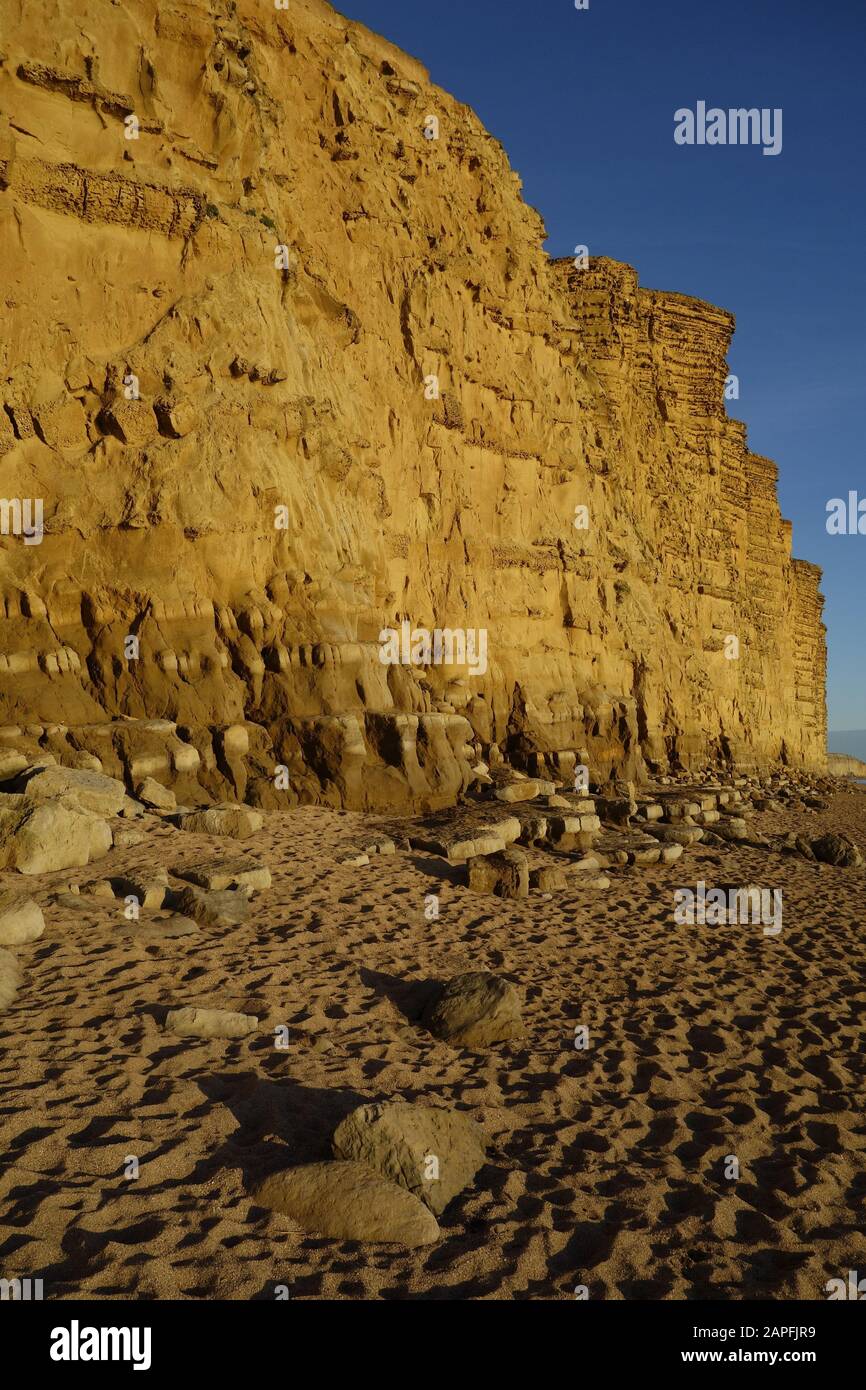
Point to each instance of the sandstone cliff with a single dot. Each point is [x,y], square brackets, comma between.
[216,375]
[841,765]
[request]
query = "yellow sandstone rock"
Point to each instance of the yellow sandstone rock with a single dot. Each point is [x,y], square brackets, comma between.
[283,371]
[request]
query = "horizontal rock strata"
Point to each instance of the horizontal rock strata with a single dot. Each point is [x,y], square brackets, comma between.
[281,372]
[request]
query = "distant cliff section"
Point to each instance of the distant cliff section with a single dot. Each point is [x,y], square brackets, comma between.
[284,365]
[840,765]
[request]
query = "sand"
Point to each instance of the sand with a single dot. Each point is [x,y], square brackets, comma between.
[606,1167]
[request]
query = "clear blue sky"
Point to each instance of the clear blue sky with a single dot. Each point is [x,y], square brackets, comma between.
[583,102]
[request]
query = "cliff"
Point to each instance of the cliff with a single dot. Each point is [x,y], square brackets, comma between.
[217,379]
[840,765]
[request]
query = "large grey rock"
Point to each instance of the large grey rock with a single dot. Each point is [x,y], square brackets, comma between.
[92,791]
[433,1153]
[210,1023]
[21,919]
[10,978]
[349,1201]
[50,836]
[239,822]
[475,1010]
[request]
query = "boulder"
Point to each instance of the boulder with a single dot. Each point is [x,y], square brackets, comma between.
[11,761]
[648,854]
[676,834]
[736,831]
[382,844]
[191,1022]
[616,810]
[533,830]
[238,822]
[838,850]
[10,978]
[522,791]
[217,874]
[81,758]
[154,794]
[564,875]
[505,874]
[550,878]
[92,791]
[681,810]
[149,886]
[463,837]
[564,825]
[570,842]
[95,888]
[475,1010]
[431,1152]
[53,835]
[226,908]
[349,1201]
[21,919]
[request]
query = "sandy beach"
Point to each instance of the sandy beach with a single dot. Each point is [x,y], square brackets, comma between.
[605,1166]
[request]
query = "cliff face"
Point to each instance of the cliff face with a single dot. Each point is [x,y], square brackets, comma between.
[841,765]
[217,363]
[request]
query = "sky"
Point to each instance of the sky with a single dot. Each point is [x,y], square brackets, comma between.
[583,102]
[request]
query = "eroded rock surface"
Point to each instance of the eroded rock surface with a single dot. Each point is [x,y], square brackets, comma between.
[282,371]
